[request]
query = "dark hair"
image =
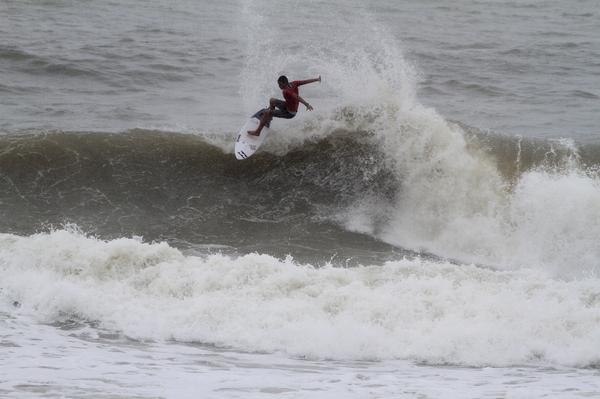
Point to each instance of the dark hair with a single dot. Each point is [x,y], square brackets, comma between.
[283,79]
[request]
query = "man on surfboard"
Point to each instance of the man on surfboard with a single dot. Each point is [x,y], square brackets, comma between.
[284,109]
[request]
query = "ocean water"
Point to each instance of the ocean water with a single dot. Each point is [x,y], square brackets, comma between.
[430,230]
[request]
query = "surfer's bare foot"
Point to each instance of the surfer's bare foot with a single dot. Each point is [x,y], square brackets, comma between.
[253,133]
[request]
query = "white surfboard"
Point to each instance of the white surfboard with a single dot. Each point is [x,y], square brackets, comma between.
[246,144]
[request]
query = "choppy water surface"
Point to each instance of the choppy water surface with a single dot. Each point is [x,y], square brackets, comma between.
[429,230]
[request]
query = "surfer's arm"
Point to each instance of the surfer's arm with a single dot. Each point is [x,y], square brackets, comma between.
[306,104]
[301,100]
[307,81]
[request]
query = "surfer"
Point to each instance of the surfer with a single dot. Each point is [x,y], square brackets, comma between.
[284,109]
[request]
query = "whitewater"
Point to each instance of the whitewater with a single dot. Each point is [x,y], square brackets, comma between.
[429,230]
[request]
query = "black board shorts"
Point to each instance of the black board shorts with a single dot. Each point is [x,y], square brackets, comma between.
[281,110]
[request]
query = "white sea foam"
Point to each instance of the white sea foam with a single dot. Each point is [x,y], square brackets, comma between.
[453,200]
[407,309]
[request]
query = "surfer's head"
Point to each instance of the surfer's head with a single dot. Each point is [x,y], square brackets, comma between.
[283,81]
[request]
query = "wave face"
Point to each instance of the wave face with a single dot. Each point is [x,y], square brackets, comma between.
[180,188]
[435,187]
